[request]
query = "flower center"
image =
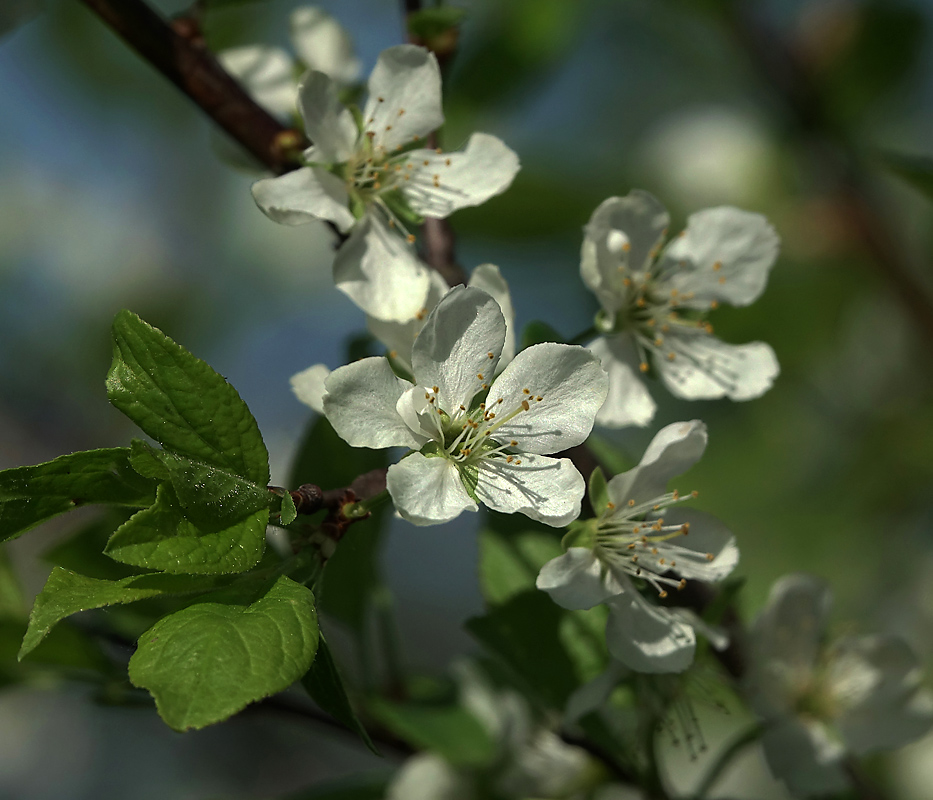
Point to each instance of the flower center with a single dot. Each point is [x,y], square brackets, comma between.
[467,434]
[636,540]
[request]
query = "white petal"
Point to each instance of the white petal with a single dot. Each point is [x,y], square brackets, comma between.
[648,638]
[785,642]
[704,368]
[427,776]
[724,254]
[619,240]
[548,490]
[461,341]
[707,537]
[328,122]
[805,756]
[267,74]
[419,414]
[404,97]
[308,386]
[303,195]
[427,491]
[488,278]
[441,183]
[379,272]
[673,450]
[572,386]
[399,337]
[322,44]
[628,401]
[877,681]
[577,580]
[360,403]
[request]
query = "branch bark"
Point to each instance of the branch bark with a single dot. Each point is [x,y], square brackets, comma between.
[178,52]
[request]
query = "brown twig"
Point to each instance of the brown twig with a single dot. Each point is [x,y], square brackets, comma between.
[178,52]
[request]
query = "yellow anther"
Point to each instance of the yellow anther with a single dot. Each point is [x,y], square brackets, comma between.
[426,162]
[447,162]
[682,584]
[485,386]
[539,398]
[676,495]
[463,408]
[671,356]
[631,546]
[509,459]
[434,389]
[631,503]
[685,528]
[388,127]
[401,111]
[438,151]
[499,400]
[717,265]
[526,391]
[393,354]
[643,366]
[636,529]
[437,181]
[513,443]
[411,238]
[381,99]
[661,561]
[722,279]
[658,341]
[610,505]
[391,223]
[662,594]
[635,559]
[694,494]
[377,185]
[626,246]
[640,302]
[490,355]
[655,507]
[525,405]
[370,134]
[709,556]
[713,304]
[654,551]
[479,375]
[626,281]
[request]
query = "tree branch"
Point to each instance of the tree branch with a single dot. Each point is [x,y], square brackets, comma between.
[178,52]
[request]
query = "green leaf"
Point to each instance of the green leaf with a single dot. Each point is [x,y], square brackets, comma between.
[12,602]
[181,402]
[352,573]
[536,332]
[324,684]
[210,497]
[67,593]
[161,538]
[916,170]
[511,555]
[210,660]
[551,651]
[30,495]
[83,551]
[449,730]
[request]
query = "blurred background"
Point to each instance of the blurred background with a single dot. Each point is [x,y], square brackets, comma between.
[113,196]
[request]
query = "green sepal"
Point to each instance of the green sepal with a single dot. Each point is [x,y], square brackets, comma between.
[580,533]
[67,593]
[287,513]
[210,660]
[598,490]
[162,538]
[326,687]
[181,402]
[31,495]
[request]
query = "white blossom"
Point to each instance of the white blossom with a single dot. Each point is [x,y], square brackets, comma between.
[362,175]
[531,760]
[270,74]
[820,704]
[638,537]
[654,300]
[475,439]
